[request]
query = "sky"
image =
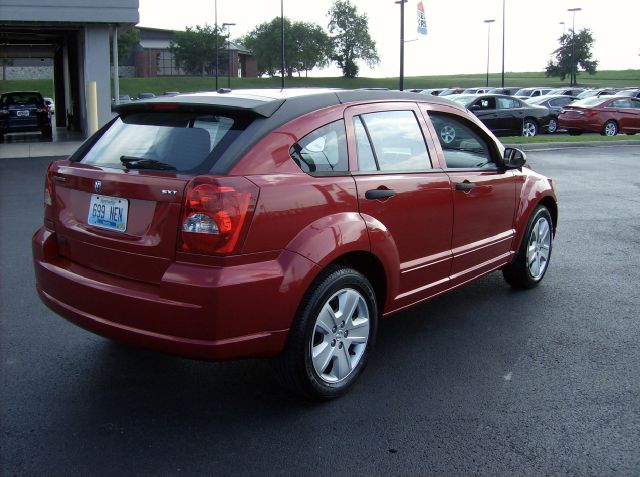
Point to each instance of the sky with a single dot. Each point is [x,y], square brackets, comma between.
[456,42]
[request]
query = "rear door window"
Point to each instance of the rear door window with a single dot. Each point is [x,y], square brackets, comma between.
[390,141]
[179,142]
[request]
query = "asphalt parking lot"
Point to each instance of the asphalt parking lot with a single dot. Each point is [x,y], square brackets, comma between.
[484,380]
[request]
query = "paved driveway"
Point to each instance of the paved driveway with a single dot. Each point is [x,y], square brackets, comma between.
[484,380]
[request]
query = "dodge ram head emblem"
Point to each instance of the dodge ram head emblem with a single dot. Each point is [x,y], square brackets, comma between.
[97,185]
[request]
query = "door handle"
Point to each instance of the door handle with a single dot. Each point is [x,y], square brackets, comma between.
[465,186]
[375,194]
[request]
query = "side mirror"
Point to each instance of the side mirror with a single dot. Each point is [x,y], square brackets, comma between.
[474,107]
[514,158]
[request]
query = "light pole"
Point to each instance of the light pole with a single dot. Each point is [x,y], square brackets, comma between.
[215,7]
[282,66]
[503,28]
[574,63]
[228,27]
[488,22]
[401,2]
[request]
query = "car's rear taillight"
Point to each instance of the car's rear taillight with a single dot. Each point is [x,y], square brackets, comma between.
[591,113]
[216,214]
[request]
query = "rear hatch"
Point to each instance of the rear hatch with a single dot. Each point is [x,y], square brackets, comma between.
[116,204]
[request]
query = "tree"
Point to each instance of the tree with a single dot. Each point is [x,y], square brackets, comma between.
[127,41]
[351,38]
[562,65]
[195,48]
[314,46]
[306,46]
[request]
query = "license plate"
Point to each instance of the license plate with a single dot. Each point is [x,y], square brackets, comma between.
[24,113]
[108,212]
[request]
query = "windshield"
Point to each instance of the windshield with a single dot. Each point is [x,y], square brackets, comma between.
[628,92]
[524,92]
[463,98]
[589,102]
[537,100]
[588,93]
[164,141]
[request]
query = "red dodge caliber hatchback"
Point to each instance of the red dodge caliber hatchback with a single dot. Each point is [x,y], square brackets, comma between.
[283,224]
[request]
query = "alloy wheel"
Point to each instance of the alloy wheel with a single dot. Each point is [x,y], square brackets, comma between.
[539,248]
[447,134]
[340,335]
[610,129]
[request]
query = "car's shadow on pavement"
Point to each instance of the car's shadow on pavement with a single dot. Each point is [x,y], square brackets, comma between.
[417,346]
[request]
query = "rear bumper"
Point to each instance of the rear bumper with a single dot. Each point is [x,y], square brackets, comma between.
[197,311]
[581,124]
[32,124]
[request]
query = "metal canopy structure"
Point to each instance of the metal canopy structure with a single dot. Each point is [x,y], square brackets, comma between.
[77,37]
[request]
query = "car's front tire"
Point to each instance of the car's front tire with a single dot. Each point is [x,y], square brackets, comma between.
[532,260]
[331,337]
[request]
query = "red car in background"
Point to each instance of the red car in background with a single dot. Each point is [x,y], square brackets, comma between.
[283,224]
[607,115]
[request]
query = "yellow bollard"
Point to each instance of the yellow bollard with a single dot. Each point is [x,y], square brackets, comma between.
[92,107]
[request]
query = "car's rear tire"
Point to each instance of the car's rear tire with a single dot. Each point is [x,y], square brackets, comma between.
[610,128]
[529,127]
[553,126]
[331,337]
[574,132]
[532,260]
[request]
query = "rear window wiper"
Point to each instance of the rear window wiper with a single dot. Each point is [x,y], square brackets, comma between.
[132,162]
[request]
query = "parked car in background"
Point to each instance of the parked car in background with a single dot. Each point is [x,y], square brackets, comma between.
[629,92]
[565,91]
[248,227]
[607,115]
[146,96]
[554,103]
[450,91]
[507,91]
[507,115]
[50,104]
[432,91]
[24,111]
[476,90]
[589,93]
[531,92]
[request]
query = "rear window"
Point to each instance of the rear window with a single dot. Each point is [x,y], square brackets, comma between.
[21,98]
[589,101]
[173,142]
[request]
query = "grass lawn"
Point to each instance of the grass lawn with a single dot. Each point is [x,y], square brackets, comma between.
[135,86]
